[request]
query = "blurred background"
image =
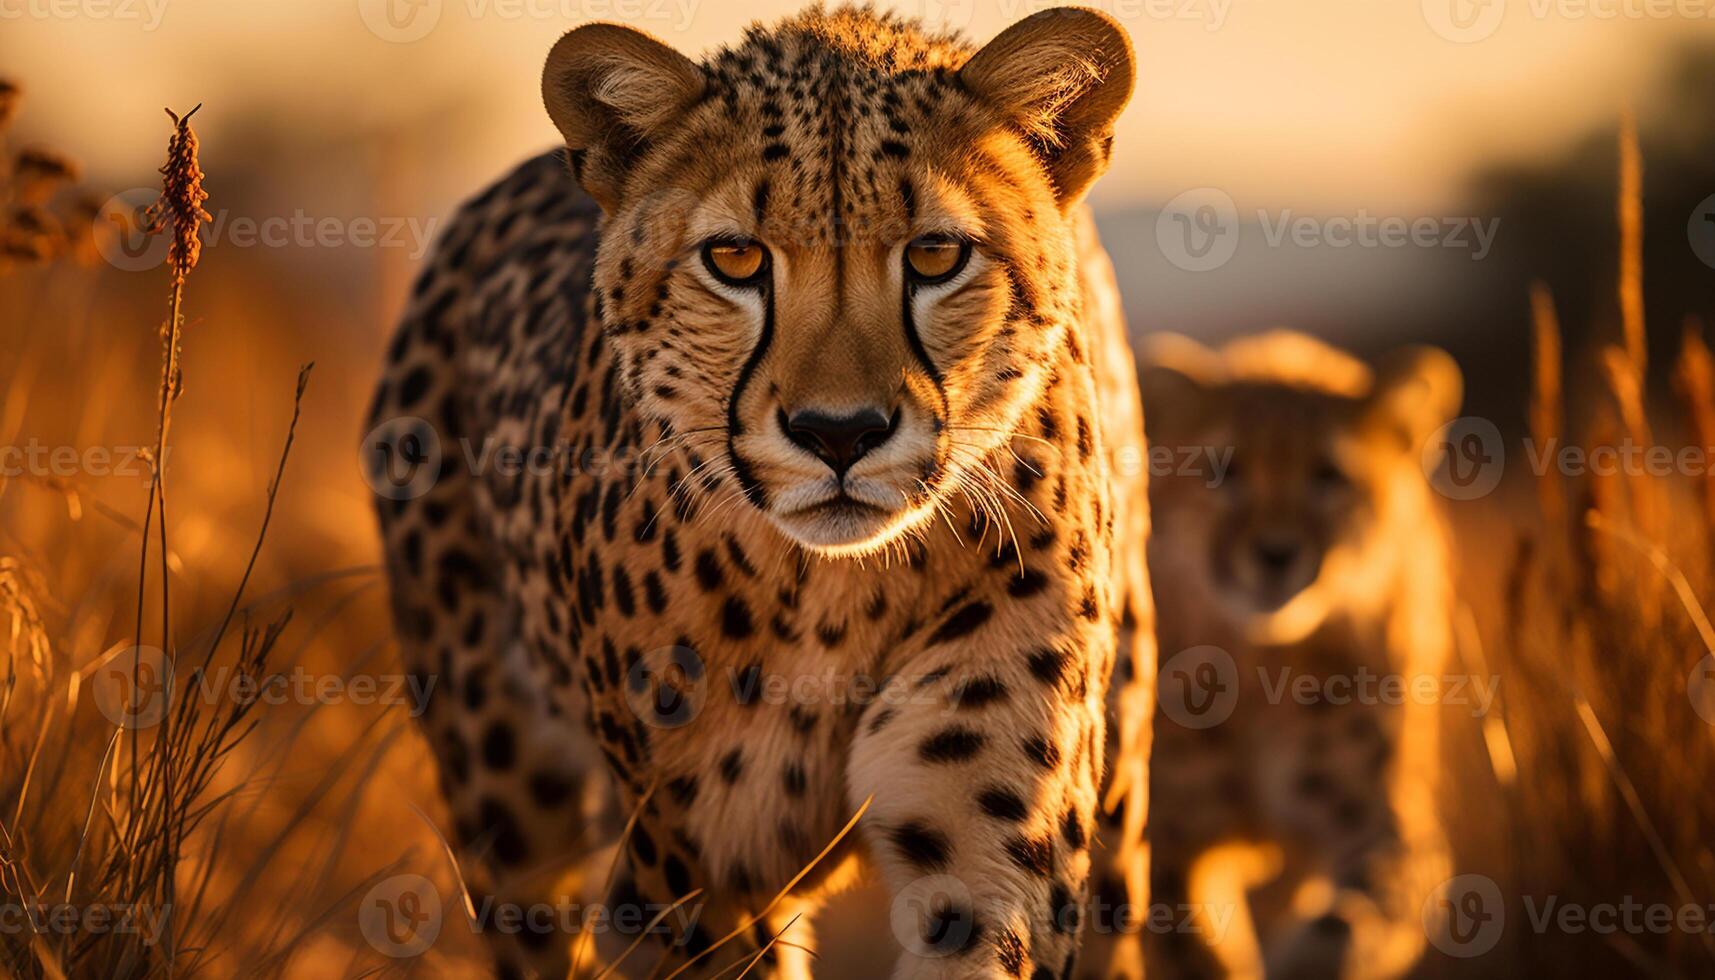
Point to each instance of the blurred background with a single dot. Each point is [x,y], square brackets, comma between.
[1375,173]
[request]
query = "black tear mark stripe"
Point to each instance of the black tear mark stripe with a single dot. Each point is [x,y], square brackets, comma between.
[747,480]
[909,318]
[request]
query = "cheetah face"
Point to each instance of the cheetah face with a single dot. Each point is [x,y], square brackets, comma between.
[1319,495]
[839,275]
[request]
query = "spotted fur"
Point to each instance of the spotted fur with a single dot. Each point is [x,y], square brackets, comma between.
[750,624]
[1307,546]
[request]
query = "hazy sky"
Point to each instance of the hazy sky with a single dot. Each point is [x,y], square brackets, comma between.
[1311,104]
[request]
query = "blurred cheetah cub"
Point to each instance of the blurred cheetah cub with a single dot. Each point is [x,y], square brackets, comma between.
[1304,599]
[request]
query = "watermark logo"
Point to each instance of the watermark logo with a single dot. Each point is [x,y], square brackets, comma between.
[1199,688]
[1701,687]
[401,915]
[122,231]
[149,13]
[1462,233]
[134,689]
[665,687]
[1701,231]
[953,15]
[128,236]
[400,21]
[932,917]
[1465,458]
[401,458]
[1198,231]
[1464,21]
[1465,916]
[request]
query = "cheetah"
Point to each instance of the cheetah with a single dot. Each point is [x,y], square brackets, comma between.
[1299,544]
[769,455]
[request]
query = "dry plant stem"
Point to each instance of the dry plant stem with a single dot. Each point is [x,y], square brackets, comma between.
[1631,218]
[180,206]
[1546,406]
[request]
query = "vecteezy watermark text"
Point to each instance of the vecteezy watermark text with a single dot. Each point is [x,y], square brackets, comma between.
[148,13]
[130,241]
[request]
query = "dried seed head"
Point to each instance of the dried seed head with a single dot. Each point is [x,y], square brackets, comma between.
[80,226]
[30,234]
[39,173]
[182,197]
[10,96]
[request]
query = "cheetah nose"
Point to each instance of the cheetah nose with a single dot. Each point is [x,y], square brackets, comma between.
[1276,556]
[839,440]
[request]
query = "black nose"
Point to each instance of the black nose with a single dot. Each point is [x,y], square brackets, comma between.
[1276,556]
[839,440]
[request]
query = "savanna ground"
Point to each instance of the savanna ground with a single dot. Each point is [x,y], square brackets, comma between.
[264,825]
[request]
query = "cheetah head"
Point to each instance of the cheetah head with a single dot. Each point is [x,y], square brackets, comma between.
[836,260]
[1294,485]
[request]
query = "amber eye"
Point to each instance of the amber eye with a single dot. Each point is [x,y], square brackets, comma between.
[737,262]
[936,258]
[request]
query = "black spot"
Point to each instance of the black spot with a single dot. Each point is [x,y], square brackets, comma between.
[550,788]
[678,876]
[414,387]
[475,689]
[709,573]
[643,846]
[1042,752]
[670,550]
[1027,583]
[732,766]
[951,928]
[1048,666]
[1033,854]
[953,744]
[922,845]
[793,778]
[683,790]
[1063,913]
[1002,803]
[735,619]
[747,685]
[963,623]
[1072,829]
[624,597]
[978,692]
[654,593]
[500,830]
[498,748]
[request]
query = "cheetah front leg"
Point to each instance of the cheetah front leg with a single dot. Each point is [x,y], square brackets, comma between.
[1366,808]
[983,757]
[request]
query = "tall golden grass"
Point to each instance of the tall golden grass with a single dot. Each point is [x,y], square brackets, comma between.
[109,894]
[261,827]
[1604,755]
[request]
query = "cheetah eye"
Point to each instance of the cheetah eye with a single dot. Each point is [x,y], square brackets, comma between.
[736,261]
[935,258]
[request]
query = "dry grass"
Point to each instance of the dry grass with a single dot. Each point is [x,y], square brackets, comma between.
[149,790]
[1598,637]
[262,826]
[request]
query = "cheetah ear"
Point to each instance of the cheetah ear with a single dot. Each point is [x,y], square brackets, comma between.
[1181,382]
[1062,76]
[612,89]
[1417,390]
